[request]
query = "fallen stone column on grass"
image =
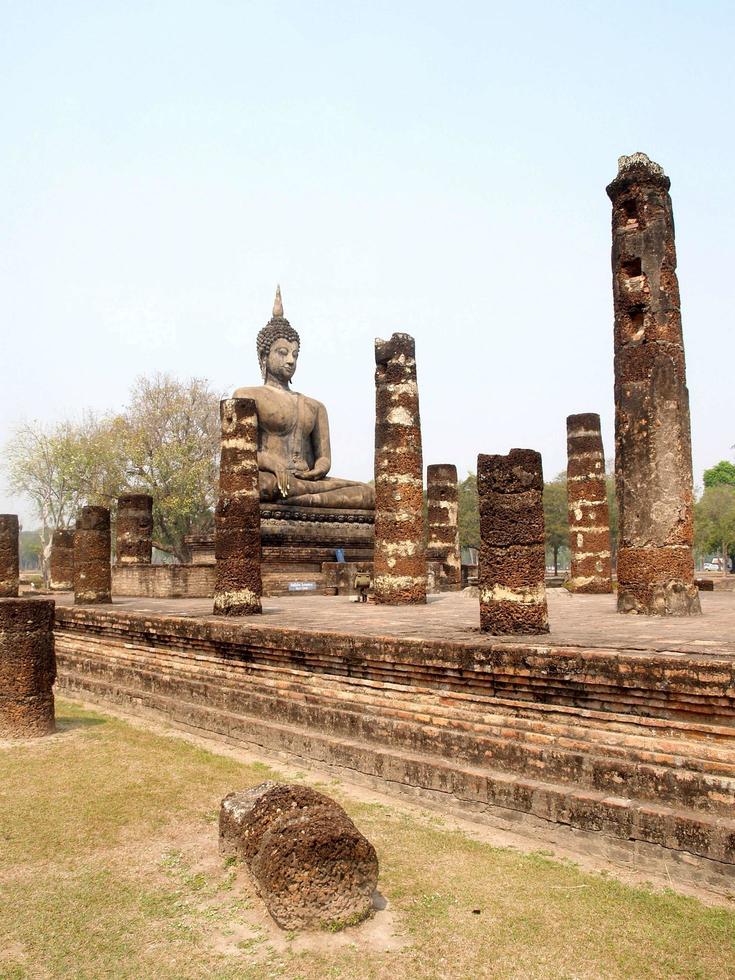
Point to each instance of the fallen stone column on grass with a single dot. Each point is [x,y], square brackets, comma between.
[311,866]
[512,561]
[653,451]
[27,667]
[9,563]
[443,528]
[92,571]
[238,587]
[589,521]
[61,570]
[399,557]
[134,531]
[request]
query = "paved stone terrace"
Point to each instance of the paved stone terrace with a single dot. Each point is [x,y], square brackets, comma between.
[576,621]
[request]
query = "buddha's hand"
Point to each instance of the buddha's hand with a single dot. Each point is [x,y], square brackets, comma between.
[282,476]
[318,471]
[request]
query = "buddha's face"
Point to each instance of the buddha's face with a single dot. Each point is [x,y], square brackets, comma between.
[281,361]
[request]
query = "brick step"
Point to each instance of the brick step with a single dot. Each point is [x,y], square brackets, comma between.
[709,837]
[561,756]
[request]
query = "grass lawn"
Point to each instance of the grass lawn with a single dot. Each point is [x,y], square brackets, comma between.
[109,868]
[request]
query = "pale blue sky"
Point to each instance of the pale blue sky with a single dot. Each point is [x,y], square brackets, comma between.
[434,168]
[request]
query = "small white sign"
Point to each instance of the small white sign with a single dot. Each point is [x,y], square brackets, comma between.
[302,586]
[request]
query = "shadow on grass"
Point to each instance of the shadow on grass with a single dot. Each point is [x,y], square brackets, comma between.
[69,723]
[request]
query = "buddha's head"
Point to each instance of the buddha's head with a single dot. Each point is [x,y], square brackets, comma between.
[278,345]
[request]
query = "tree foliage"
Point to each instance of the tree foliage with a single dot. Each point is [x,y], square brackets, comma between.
[469,512]
[556,516]
[165,442]
[714,520]
[721,474]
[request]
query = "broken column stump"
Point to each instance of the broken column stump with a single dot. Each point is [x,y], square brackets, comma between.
[27,667]
[61,570]
[443,528]
[134,532]
[311,866]
[9,560]
[92,571]
[238,586]
[512,560]
[399,557]
[653,455]
[589,519]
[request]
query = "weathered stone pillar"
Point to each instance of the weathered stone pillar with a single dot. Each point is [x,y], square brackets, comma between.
[653,457]
[238,587]
[400,559]
[61,572]
[134,536]
[27,667]
[589,518]
[92,571]
[443,516]
[9,561]
[512,561]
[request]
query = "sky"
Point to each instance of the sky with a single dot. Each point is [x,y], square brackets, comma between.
[432,168]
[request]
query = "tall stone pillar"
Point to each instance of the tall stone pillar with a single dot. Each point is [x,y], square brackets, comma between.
[62,560]
[9,563]
[653,456]
[238,587]
[399,559]
[27,667]
[92,571]
[512,561]
[589,518]
[443,517]
[134,536]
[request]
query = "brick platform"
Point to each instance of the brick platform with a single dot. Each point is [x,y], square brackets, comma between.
[617,733]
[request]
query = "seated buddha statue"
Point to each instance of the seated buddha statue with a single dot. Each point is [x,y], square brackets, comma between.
[294,456]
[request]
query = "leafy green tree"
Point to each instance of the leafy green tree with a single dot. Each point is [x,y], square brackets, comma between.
[469,512]
[721,474]
[714,521]
[556,516]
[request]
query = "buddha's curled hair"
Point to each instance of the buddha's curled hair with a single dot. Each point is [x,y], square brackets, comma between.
[276,327]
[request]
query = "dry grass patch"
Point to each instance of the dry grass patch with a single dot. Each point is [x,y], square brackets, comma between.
[109,868]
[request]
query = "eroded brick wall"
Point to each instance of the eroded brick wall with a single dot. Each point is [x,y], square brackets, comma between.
[400,559]
[653,456]
[589,518]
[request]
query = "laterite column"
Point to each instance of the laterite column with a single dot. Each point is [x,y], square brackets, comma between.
[27,667]
[9,566]
[443,507]
[238,588]
[92,571]
[589,519]
[653,455]
[61,572]
[512,561]
[400,559]
[134,535]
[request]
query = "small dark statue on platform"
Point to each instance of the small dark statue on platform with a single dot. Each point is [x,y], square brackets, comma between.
[294,455]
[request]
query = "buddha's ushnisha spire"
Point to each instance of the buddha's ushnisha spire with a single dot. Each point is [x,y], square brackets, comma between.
[278,304]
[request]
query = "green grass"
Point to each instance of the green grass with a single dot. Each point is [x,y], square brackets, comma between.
[109,868]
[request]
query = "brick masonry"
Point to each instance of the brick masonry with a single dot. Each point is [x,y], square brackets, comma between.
[92,543]
[134,529]
[634,754]
[400,559]
[27,667]
[512,559]
[62,560]
[238,586]
[653,455]
[442,495]
[9,556]
[589,518]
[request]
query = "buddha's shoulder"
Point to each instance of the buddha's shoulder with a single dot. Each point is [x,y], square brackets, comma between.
[256,392]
